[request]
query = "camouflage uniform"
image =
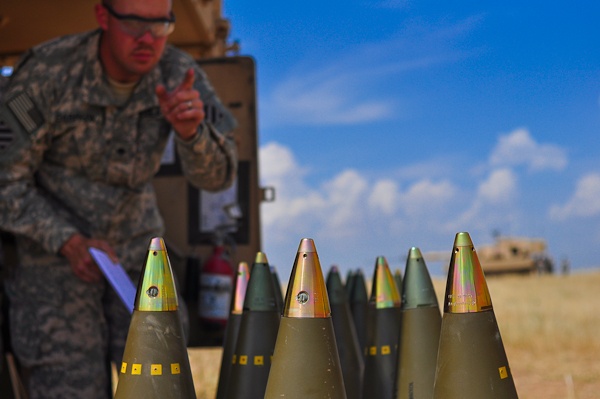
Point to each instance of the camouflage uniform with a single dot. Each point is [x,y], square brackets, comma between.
[3,82]
[85,165]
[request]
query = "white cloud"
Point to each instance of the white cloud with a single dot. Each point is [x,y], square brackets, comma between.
[492,206]
[344,196]
[585,201]
[425,197]
[278,165]
[384,197]
[354,216]
[279,168]
[499,188]
[278,160]
[301,209]
[326,97]
[347,206]
[346,86]
[519,148]
[422,198]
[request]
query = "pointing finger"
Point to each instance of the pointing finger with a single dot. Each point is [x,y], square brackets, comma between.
[188,80]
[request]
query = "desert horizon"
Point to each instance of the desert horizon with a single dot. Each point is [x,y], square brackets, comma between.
[549,326]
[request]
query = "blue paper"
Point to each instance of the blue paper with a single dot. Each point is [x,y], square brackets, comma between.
[117,277]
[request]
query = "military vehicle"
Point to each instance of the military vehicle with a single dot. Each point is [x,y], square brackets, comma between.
[515,255]
[522,255]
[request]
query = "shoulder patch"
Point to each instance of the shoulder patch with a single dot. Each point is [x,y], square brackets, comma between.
[26,112]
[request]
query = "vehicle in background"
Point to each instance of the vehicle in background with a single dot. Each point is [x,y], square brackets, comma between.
[516,255]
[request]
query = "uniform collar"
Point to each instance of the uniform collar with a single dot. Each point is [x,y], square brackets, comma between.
[95,87]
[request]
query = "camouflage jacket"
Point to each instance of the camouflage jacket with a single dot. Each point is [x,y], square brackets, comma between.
[81,164]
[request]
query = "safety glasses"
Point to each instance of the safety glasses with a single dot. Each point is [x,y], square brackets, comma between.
[136,26]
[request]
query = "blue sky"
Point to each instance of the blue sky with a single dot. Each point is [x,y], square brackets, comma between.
[390,124]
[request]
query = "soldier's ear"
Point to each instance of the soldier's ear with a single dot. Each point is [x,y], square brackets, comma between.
[101,16]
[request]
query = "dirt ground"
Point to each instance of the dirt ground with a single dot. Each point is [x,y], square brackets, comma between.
[563,375]
[550,327]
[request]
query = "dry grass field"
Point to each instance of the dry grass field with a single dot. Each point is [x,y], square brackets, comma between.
[550,326]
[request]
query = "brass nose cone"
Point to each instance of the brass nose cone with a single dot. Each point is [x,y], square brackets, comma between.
[157,244]
[384,293]
[261,257]
[306,294]
[241,284]
[156,289]
[466,288]
[463,239]
[307,245]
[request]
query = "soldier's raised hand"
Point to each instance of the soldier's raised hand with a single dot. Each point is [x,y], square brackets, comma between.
[182,107]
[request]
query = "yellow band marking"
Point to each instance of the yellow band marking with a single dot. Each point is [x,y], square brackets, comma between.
[373,350]
[136,369]
[243,360]
[259,360]
[175,369]
[124,368]
[503,372]
[385,350]
[156,369]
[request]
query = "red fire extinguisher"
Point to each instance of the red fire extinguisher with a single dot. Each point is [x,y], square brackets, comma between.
[216,282]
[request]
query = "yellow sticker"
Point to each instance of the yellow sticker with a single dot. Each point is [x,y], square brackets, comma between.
[156,369]
[503,372]
[385,350]
[243,360]
[175,369]
[233,359]
[373,350]
[259,360]
[124,368]
[136,369]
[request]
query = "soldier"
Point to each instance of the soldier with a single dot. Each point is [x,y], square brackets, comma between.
[3,81]
[92,114]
